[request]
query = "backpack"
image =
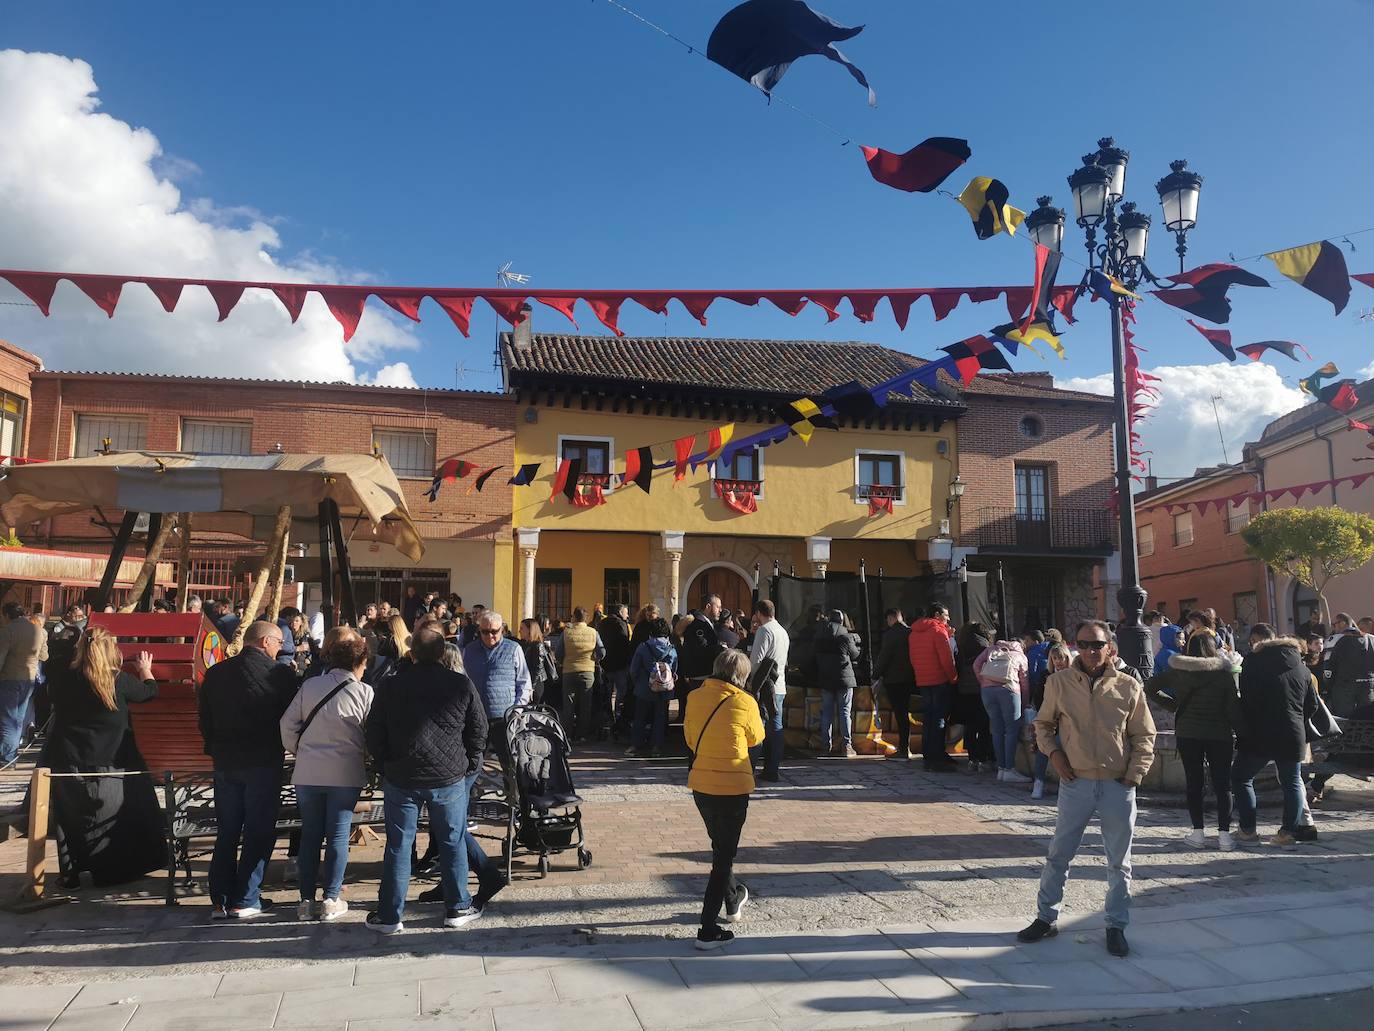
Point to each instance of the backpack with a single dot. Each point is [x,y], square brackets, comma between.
[998,666]
[661,679]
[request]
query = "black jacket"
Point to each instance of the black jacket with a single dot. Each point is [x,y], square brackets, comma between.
[700,645]
[615,635]
[1276,700]
[427,727]
[87,736]
[241,704]
[836,649]
[894,658]
[1350,673]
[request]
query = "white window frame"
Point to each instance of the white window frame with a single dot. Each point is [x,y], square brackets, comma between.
[431,434]
[1232,511]
[109,416]
[591,438]
[860,453]
[1192,530]
[758,456]
[1142,549]
[238,424]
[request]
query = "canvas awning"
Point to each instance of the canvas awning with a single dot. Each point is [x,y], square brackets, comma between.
[222,488]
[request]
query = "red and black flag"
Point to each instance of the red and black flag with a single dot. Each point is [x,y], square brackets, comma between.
[481,481]
[1202,291]
[975,354]
[1318,266]
[565,480]
[639,468]
[1218,338]
[1286,347]
[449,469]
[922,168]
[525,475]
[1046,271]
[853,399]
[1340,396]
[987,202]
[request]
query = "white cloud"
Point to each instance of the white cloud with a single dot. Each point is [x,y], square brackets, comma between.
[397,374]
[83,191]
[1182,429]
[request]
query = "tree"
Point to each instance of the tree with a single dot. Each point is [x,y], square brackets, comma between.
[1311,545]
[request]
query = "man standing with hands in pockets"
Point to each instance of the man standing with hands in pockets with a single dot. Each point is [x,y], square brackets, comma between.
[1097,730]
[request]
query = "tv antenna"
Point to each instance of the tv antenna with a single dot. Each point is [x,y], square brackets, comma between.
[460,373]
[1224,457]
[505,279]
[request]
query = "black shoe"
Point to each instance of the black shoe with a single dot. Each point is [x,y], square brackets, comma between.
[434,894]
[488,891]
[773,776]
[424,865]
[940,765]
[1116,942]
[1037,930]
[1304,833]
[713,938]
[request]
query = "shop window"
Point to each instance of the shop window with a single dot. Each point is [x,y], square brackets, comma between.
[410,452]
[124,432]
[622,588]
[209,437]
[553,593]
[879,469]
[1145,540]
[1183,529]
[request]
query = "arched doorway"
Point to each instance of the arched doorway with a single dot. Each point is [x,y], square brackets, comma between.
[736,593]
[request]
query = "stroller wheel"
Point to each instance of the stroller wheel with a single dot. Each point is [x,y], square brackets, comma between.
[584,858]
[543,866]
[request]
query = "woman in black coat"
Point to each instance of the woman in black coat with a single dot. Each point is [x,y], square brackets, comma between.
[110,828]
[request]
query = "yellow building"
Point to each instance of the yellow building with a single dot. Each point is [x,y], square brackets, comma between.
[595,398]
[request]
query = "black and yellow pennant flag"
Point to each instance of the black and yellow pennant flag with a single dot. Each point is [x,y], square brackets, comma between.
[1318,266]
[803,416]
[986,201]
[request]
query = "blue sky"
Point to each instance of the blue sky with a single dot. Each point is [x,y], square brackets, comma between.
[426,144]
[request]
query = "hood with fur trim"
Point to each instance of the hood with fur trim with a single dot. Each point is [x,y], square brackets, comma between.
[1198,664]
[1278,642]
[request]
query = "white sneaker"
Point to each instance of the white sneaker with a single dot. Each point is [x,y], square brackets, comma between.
[461,917]
[1225,843]
[1038,789]
[1001,774]
[1013,777]
[736,915]
[332,909]
[1195,838]
[305,910]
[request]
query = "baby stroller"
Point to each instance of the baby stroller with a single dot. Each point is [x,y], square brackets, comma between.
[549,820]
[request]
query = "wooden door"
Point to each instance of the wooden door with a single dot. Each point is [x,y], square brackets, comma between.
[735,592]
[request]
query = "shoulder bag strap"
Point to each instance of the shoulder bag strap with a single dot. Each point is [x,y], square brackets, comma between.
[320,705]
[702,735]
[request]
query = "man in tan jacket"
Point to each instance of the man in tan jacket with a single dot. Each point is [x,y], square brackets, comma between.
[1097,730]
[22,647]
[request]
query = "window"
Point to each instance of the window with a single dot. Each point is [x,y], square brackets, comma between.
[553,593]
[1145,539]
[125,433]
[746,464]
[410,452]
[879,469]
[207,437]
[1032,493]
[380,583]
[622,588]
[1247,608]
[1186,606]
[1183,529]
[11,424]
[1237,515]
[1032,427]
[595,454]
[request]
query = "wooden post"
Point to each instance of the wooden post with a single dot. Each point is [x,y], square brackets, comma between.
[145,575]
[117,549]
[279,573]
[331,619]
[33,893]
[159,526]
[348,611]
[274,547]
[184,560]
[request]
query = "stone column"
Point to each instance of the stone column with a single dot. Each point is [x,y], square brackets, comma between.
[818,554]
[673,541]
[527,538]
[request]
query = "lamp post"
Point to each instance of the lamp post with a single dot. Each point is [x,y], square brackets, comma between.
[1099,188]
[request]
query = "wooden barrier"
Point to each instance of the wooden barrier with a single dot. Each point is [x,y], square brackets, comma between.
[34,893]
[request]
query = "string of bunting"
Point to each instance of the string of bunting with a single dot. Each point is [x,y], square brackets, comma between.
[1203,505]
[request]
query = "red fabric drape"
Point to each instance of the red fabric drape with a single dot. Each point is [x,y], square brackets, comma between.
[738,495]
[682,450]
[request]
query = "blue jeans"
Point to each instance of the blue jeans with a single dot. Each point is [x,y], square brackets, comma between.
[246,806]
[326,819]
[1243,771]
[1040,765]
[488,875]
[1114,805]
[935,706]
[837,704]
[14,714]
[1004,713]
[651,708]
[448,814]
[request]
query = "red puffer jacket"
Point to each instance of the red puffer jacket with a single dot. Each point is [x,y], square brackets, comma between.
[932,659]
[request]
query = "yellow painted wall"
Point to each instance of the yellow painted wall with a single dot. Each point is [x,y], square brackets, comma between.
[808,489]
[589,556]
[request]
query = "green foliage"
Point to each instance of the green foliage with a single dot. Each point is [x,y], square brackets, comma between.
[1311,545]
[11,540]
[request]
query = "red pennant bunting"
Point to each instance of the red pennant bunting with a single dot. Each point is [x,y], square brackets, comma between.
[792,304]
[830,302]
[942,302]
[1064,298]
[563,305]
[103,290]
[560,479]
[292,298]
[459,309]
[506,307]
[167,291]
[1358,480]
[682,448]
[901,302]
[656,303]
[226,295]
[696,305]
[607,310]
[865,304]
[36,286]
[407,304]
[345,304]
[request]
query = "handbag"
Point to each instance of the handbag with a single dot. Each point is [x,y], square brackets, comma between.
[692,755]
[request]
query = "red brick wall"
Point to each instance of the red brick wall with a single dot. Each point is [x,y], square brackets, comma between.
[302,417]
[16,366]
[1214,568]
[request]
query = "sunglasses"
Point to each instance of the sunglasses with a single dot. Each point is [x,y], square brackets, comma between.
[490,633]
[1091,646]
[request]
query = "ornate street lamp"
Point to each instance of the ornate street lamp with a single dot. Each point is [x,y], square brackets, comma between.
[1046,225]
[956,491]
[1098,188]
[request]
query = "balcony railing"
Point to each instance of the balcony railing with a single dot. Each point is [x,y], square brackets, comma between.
[1059,529]
[866,491]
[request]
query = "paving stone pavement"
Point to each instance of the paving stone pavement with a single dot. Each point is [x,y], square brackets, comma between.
[881,896]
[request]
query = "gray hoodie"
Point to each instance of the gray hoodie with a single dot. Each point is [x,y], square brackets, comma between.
[332,752]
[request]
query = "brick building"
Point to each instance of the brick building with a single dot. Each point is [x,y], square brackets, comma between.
[71,412]
[1191,558]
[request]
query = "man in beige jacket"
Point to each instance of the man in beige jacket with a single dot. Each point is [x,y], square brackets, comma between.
[22,647]
[1097,730]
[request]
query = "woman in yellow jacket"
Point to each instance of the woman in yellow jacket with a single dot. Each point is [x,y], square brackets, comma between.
[721,725]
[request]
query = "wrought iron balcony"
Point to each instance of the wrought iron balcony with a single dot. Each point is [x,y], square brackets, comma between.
[1004,528]
[868,491]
